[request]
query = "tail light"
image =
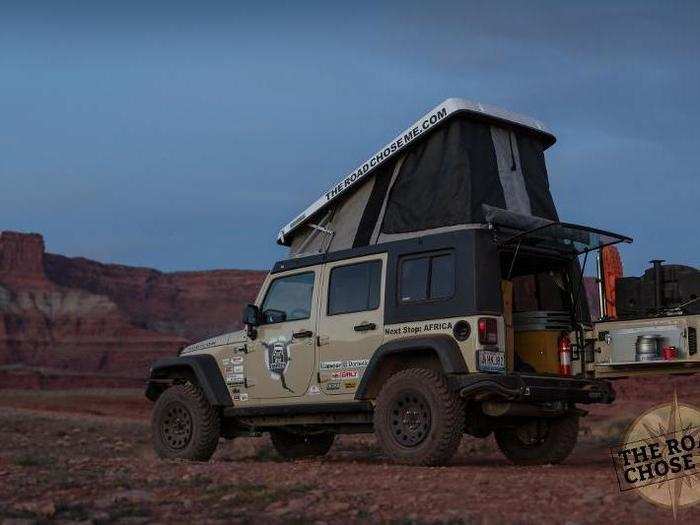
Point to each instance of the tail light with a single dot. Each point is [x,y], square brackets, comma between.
[564,345]
[488,331]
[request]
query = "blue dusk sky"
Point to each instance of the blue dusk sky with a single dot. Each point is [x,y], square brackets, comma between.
[183,135]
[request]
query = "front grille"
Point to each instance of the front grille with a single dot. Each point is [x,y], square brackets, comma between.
[692,340]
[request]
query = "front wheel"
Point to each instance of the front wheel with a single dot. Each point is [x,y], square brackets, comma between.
[295,446]
[184,424]
[539,441]
[417,419]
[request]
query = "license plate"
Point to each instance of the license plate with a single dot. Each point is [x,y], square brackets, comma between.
[489,361]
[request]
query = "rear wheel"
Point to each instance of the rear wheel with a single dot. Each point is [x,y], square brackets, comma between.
[184,425]
[539,441]
[417,419]
[296,446]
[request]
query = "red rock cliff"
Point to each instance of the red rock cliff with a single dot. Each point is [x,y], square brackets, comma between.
[21,256]
[76,317]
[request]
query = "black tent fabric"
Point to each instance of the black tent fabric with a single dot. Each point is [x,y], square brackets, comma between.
[444,180]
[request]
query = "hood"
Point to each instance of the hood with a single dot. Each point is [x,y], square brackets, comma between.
[220,340]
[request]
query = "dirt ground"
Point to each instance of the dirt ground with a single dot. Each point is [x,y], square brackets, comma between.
[85,456]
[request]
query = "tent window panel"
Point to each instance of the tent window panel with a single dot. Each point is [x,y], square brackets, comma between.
[427,278]
[354,288]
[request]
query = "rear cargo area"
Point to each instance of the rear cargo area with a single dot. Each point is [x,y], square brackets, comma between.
[540,294]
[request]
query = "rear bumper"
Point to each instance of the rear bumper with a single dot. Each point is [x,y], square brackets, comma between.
[533,388]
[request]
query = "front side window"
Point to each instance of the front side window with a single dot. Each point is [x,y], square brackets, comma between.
[427,278]
[289,298]
[354,288]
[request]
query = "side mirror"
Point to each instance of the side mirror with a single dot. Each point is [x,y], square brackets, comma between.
[251,319]
[251,315]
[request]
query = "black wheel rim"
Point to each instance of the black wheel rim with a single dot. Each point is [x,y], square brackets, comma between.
[409,418]
[533,434]
[176,428]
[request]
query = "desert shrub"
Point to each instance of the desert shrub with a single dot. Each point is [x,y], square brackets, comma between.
[33,460]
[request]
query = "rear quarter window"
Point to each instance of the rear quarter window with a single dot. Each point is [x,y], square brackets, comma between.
[429,277]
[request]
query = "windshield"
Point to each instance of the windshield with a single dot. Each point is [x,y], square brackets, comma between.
[566,238]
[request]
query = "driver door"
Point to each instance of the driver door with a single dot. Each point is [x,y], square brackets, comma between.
[282,357]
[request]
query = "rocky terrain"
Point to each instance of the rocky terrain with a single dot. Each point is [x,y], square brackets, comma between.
[85,456]
[75,322]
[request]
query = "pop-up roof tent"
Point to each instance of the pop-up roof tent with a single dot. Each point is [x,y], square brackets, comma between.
[435,176]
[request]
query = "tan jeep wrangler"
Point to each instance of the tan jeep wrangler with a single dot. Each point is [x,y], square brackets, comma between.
[405,339]
[431,293]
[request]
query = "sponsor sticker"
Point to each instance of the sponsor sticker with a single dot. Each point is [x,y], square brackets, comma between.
[314,390]
[236,360]
[333,386]
[344,374]
[356,363]
[238,369]
[240,397]
[235,378]
[228,370]
[350,384]
[331,365]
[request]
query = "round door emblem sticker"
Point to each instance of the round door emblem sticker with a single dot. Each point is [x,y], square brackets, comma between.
[659,456]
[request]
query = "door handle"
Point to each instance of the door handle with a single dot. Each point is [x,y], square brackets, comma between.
[365,327]
[302,334]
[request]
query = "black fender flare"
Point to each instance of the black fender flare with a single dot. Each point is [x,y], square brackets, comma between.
[205,370]
[444,346]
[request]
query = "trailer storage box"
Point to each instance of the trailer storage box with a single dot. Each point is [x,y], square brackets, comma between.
[616,346]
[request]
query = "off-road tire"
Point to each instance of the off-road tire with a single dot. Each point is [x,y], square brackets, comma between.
[296,446]
[184,425]
[555,447]
[417,419]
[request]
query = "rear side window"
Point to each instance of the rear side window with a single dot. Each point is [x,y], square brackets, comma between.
[427,278]
[354,288]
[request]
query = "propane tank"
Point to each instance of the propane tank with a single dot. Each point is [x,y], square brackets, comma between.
[564,345]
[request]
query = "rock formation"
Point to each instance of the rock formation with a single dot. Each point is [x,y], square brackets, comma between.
[72,321]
